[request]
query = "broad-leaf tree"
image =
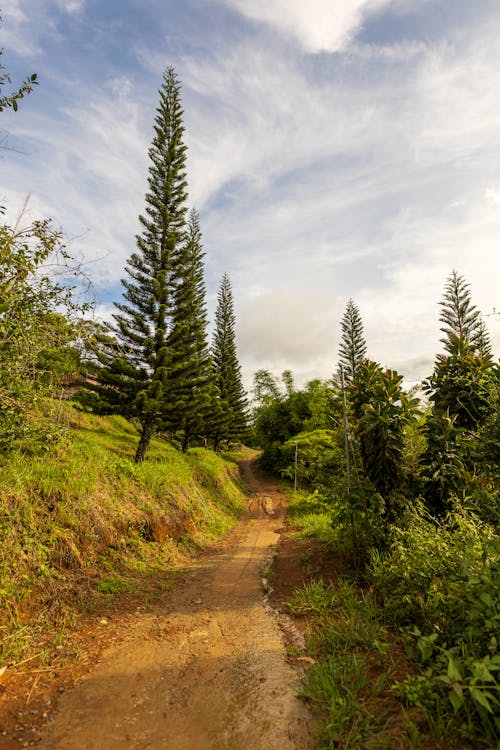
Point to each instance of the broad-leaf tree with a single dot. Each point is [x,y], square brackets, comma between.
[39,321]
[381,410]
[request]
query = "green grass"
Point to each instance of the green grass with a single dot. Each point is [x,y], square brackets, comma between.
[365,688]
[83,519]
[313,597]
[351,672]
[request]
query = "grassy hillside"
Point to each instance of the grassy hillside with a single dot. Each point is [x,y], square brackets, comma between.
[83,521]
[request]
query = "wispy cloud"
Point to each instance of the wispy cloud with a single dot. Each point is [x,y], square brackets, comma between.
[72,6]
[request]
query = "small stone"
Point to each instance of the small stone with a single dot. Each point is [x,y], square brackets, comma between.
[306,659]
[103,621]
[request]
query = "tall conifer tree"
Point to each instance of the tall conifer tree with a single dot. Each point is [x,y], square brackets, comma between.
[232,398]
[461,319]
[190,373]
[142,324]
[352,351]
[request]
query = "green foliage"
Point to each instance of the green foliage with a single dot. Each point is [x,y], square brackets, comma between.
[39,328]
[462,385]
[461,449]
[232,402]
[461,319]
[443,581]
[12,99]
[86,517]
[320,459]
[453,679]
[312,597]
[283,417]
[444,473]
[112,585]
[352,351]
[347,641]
[265,387]
[136,371]
[190,377]
[381,411]
[334,685]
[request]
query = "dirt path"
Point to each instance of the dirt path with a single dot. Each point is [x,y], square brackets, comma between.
[206,670]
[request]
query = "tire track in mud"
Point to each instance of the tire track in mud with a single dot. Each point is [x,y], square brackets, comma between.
[206,670]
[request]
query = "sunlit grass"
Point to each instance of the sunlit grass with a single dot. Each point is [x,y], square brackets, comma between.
[86,511]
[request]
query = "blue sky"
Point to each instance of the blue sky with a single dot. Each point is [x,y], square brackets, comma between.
[337,148]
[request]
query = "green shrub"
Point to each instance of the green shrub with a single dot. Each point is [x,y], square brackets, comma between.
[443,581]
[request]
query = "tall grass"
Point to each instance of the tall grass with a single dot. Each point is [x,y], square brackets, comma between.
[84,511]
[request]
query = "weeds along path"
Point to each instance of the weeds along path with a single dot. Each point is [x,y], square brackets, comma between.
[206,670]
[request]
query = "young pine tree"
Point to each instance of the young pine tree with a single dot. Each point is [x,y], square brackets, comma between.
[462,394]
[461,319]
[352,350]
[233,423]
[190,376]
[142,324]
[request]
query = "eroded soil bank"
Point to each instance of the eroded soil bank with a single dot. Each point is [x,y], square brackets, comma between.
[204,669]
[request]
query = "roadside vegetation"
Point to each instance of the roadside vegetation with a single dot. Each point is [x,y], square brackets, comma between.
[84,521]
[402,487]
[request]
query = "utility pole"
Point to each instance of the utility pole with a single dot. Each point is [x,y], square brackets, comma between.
[346,431]
[295,476]
[348,464]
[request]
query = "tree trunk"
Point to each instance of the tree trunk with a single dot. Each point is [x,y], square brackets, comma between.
[146,434]
[185,442]
[216,441]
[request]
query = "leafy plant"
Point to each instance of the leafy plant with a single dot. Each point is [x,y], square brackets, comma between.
[39,327]
[381,411]
[12,99]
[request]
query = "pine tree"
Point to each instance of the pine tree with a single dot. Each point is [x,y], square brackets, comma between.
[352,350]
[142,324]
[190,376]
[483,342]
[233,403]
[460,317]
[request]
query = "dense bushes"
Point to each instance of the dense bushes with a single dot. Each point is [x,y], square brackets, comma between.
[417,516]
[442,581]
[39,331]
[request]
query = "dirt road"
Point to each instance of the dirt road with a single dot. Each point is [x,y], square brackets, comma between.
[206,670]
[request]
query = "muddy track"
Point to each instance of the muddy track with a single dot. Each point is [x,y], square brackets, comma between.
[206,670]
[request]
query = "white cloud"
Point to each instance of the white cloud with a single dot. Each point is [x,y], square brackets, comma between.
[71,6]
[12,10]
[492,196]
[318,25]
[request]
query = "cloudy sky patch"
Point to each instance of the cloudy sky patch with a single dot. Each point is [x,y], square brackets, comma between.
[336,149]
